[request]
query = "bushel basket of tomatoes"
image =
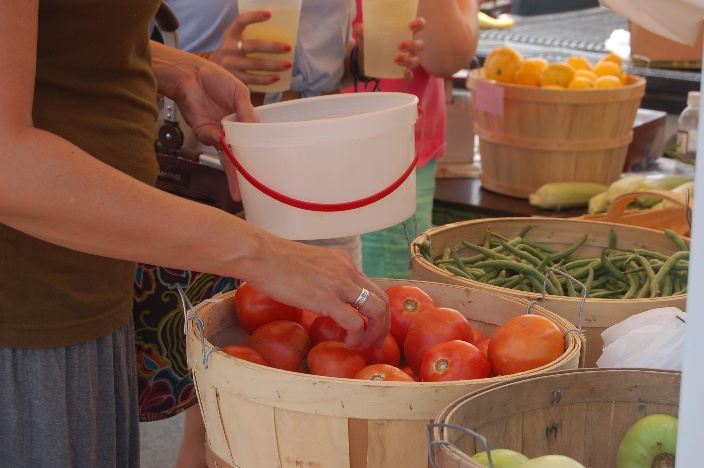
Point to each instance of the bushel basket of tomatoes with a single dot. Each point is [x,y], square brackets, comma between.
[291,381]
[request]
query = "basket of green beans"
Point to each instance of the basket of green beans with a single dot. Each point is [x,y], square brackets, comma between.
[592,273]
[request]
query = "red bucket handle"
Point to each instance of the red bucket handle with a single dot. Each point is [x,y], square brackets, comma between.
[324,207]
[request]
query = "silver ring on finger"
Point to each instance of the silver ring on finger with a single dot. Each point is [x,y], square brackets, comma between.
[363,296]
[240,47]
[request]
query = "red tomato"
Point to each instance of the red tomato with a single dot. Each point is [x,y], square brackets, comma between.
[254,309]
[244,352]
[282,343]
[412,374]
[325,329]
[389,353]
[405,302]
[479,336]
[524,343]
[483,346]
[383,372]
[431,327]
[307,318]
[333,359]
[454,360]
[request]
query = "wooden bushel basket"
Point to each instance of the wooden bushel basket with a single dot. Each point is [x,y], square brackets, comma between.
[557,233]
[256,416]
[582,414]
[538,135]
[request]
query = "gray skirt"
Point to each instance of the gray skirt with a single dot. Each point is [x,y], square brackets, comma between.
[71,407]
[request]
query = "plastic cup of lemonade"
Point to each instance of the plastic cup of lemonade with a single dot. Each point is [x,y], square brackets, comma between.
[386,23]
[281,27]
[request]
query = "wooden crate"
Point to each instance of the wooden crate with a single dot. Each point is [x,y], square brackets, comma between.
[581,413]
[257,416]
[558,233]
[530,136]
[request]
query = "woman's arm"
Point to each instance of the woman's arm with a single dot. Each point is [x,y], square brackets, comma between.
[450,36]
[52,190]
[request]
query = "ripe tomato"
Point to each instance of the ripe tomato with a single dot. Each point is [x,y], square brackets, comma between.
[325,329]
[454,360]
[383,372]
[412,374]
[479,336]
[389,353]
[282,343]
[524,343]
[405,302]
[244,352]
[307,318]
[333,359]
[483,347]
[430,327]
[254,309]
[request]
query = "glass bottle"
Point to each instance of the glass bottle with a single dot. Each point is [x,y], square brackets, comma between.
[687,133]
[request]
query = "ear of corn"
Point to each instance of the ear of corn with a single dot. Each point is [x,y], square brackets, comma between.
[559,195]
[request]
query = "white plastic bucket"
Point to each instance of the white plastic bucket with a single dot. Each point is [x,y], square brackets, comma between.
[328,166]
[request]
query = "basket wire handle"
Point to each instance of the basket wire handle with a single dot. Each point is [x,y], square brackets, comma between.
[189,313]
[584,296]
[431,457]
[409,239]
[418,254]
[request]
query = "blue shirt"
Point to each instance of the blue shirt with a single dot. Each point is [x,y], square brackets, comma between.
[324,33]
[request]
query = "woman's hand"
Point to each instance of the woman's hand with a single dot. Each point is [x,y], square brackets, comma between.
[233,53]
[205,93]
[408,49]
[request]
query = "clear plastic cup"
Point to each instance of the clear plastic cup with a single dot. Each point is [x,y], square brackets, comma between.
[385,26]
[281,27]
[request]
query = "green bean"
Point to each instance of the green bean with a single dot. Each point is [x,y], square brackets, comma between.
[530,272]
[633,287]
[590,279]
[424,249]
[679,242]
[447,252]
[457,271]
[569,250]
[460,265]
[647,267]
[651,254]
[681,291]
[486,252]
[615,272]
[579,263]
[537,253]
[512,281]
[521,254]
[612,239]
[655,285]
[644,291]
[667,286]
[604,294]
[556,283]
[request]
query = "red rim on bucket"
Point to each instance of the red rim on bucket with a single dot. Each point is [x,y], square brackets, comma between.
[324,207]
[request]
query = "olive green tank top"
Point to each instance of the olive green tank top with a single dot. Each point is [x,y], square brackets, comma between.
[94,87]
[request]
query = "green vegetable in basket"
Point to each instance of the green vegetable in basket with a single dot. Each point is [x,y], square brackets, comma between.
[501,458]
[552,461]
[649,442]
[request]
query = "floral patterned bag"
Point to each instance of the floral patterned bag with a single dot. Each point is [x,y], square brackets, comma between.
[164,380]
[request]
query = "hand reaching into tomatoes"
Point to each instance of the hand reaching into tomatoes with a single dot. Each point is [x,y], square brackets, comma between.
[321,280]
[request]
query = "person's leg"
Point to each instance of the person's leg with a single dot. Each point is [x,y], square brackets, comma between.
[192,451]
[71,407]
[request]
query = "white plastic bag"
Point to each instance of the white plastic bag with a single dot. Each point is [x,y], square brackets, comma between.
[653,339]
